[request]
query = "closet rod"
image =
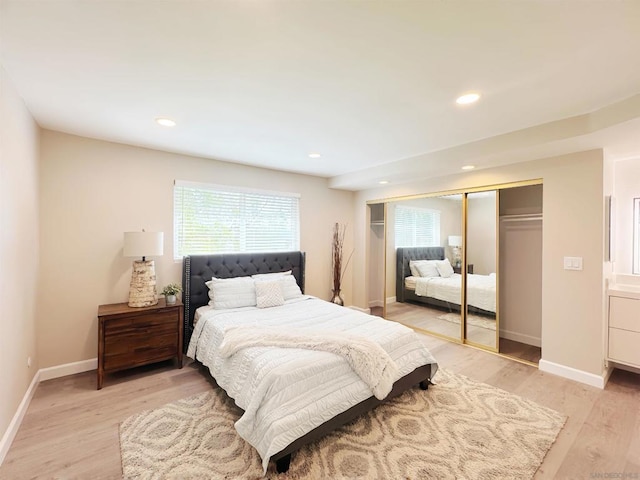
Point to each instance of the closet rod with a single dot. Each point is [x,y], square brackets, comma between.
[526,217]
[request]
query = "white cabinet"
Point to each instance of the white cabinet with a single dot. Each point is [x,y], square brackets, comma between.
[624,328]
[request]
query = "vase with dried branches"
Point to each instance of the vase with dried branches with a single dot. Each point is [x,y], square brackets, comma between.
[339,267]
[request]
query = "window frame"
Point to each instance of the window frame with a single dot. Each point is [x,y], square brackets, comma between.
[245,192]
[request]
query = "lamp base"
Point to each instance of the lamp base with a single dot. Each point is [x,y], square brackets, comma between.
[142,292]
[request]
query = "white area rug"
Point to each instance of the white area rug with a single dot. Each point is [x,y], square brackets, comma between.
[456,429]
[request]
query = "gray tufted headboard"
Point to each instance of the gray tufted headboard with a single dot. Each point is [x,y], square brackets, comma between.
[198,269]
[404,255]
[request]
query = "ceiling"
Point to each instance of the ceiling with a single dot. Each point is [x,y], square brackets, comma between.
[371,86]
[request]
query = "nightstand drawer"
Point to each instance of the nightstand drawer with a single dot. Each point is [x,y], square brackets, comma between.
[129,354]
[162,322]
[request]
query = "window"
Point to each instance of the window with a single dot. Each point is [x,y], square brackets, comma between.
[417,227]
[219,219]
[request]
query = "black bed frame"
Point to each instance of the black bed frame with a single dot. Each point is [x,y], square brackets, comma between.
[198,269]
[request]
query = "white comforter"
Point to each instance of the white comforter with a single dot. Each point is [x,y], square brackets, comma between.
[287,392]
[481,289]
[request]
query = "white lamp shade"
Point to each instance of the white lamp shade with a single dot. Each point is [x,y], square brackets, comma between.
[455,241]
[143,244]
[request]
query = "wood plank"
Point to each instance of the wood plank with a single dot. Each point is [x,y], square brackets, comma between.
[71,430]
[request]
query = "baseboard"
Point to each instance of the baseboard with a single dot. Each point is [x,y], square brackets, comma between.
[365,310]
[16,421]
[40,376]
[571,373]
[68,369]
[376,303]
[521,337]
[391,300]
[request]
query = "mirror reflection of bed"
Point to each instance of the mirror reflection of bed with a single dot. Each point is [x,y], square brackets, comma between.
[429,293]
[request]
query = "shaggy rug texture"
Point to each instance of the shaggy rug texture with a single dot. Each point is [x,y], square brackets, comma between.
[471,320]
[458,429]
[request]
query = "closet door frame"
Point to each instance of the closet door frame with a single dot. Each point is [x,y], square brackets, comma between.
[464,192]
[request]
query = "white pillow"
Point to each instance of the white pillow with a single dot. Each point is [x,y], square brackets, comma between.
[270,276]
[444,268]
[428,268]
[269,293]
[232,292]
[413,266]
[290,288]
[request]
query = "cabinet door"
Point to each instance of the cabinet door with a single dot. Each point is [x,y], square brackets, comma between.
[624,313]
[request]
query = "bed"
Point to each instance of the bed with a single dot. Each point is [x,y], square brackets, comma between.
[285,370]
[443,293]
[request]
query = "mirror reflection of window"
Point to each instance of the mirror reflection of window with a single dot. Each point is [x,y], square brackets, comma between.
[417,226]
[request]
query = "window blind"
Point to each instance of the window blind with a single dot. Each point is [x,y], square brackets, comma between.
[220,219]
[417,227]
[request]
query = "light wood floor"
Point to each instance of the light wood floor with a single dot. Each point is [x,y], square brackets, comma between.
[71,430]
[429,320]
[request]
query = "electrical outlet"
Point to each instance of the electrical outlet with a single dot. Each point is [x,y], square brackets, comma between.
[29,362]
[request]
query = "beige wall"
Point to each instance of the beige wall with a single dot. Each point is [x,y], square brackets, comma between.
[482,236]
[93,191]
[18,249]
[573,197]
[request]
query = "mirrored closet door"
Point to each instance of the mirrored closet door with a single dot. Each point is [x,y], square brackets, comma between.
[482,266]
[424,254]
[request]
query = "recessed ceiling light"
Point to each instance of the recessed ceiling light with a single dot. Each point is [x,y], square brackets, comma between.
[165,122]
[468,98]
[383,182]
[468,167]
[314,155]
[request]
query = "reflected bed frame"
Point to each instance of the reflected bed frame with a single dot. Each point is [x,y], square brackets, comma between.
[198,269]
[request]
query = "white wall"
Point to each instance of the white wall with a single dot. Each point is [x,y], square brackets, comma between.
[626,188]
[92,191]
[18,249]
[482,234]
[573,197]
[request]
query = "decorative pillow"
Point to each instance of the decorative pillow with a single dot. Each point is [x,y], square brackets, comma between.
[269,293]
[290,288]
[428,268]
[232,292]
[444,268]
[270,276]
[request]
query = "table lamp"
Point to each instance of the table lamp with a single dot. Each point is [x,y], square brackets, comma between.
[455,242]
[142,292]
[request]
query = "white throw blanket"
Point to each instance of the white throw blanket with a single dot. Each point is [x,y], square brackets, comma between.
[367,359]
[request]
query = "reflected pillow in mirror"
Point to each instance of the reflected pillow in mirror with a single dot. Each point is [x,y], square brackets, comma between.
[428,268]
[444,268]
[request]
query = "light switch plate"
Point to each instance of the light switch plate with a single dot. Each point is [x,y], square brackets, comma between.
[572,263]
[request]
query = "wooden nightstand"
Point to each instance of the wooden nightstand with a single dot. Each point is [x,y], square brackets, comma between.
[459,269]
[129,337]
